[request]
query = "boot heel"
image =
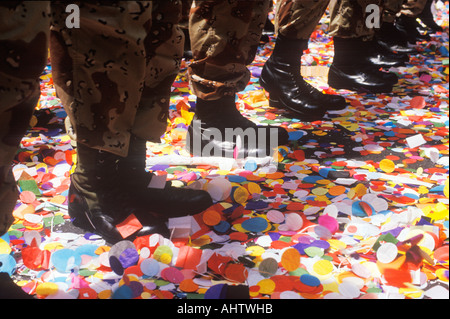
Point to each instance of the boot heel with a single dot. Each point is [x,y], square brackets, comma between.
[78,211]
[275,102]
[273,99]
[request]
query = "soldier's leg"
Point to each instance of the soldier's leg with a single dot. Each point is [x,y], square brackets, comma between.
[389,36]
[407,21]
[224,38]
[412,8]
[186,6]
[24,27]
[100,71]
[426,16]
[164,52]
[353,39]
[281,76]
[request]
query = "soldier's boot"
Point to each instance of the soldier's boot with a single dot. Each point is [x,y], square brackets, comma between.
[8,198]
[101,196]
[381,57]
[394,40]
[281,78]
[268,31]
[222,117]
[409,26]
[426,16]
[166,201]
[98,202]
[350,69]
[9,290]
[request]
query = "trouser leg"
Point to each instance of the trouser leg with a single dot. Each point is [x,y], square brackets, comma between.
[224,40]
[23,55]
[298,19]
[281,76]
[24,27]
[353,45]
[113,76]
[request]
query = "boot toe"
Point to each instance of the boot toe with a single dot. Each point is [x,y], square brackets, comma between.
[358,80]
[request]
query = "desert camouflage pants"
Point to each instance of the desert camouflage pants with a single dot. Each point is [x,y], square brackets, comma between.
[410,8]
[224,39]
[24,31]
[297,19]
[114,73]
[348,18]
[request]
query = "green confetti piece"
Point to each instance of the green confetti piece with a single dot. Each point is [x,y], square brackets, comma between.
[29,185]
[57,220]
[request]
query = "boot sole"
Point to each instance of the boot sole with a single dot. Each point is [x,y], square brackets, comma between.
[360,89]
[340,84]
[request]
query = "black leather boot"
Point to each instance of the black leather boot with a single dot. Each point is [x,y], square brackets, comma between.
[426,16]
[166,202]
[106,189]
[350,69]
[268,31]
[287,89]
[218,126]
[98,200]
[394,40]
[409,26]
[9,290]
[380,57]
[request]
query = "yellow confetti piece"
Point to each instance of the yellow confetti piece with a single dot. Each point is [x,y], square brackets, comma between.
[446,187]
[255,251]
[320,191]
[4,247]
[336,244]
[165,258]
[441,274]
[105,294]
[387,166]
[267,286]
[47,288]
[323,267]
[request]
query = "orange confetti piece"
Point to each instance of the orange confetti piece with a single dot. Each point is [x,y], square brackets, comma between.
[236,273]
[211,217]
[337,190]
[129,226]
[290,260]
[417,102]
[188,285]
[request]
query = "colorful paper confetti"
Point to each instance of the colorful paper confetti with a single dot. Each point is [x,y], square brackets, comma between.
[355,208]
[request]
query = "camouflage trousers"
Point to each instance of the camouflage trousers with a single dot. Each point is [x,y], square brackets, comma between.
[114,73]
[410,8]
[348,18]
[297,19]
[224,38]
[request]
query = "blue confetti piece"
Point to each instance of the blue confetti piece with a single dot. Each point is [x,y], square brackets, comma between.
[255,225]
[7,264]
[65,260]
[295,135]
[310,280]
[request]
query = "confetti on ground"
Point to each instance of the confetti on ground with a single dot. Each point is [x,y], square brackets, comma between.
[356,207]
